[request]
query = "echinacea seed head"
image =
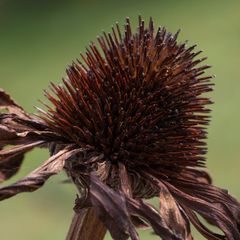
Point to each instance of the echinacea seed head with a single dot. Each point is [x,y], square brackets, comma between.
[139,104]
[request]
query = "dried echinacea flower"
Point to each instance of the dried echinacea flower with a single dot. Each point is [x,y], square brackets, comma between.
[128,124]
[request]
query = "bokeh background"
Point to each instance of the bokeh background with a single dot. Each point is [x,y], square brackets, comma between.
[38,39]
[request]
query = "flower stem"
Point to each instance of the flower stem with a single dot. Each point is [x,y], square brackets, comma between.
[86,226]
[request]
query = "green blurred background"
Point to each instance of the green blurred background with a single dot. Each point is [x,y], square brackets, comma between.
[38,39]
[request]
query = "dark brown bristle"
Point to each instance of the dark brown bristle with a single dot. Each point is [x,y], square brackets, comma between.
[142,102]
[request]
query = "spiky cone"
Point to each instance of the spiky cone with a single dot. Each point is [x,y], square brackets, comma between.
[127,125]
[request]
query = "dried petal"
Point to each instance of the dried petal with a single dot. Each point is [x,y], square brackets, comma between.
[126,188]
[11,158]
[172,214]
[111,208]
[8,103]
[24,133]
[6,133]
[139,223]
[151,215]
[201,228]
[124,178]
[38,177]
[218,209]
[9,153]
[10,168]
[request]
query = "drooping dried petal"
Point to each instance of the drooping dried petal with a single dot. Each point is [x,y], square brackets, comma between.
[195,175]
[127,191]
[213,204]
[11,159]
[38,177]
[10,168]
[111,209]
[6,102]
[201,227]
[22,130]
[6,133]
[152,216]
[9,153]
[173,215]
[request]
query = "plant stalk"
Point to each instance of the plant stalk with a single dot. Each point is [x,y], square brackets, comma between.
[86,226]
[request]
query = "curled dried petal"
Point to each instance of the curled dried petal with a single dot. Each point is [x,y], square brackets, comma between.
[6,133]
[37,178]
[11,167]
[111,208]
[9,153]
[220,210]
[11,159]
[201,228]
[6,102]
[172,214]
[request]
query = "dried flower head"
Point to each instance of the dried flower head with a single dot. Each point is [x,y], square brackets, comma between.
[128,124]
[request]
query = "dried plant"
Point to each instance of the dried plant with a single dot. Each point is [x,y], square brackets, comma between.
[128,124]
